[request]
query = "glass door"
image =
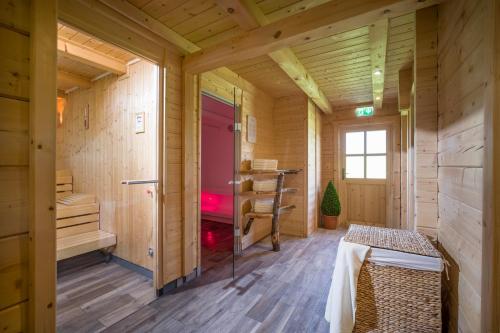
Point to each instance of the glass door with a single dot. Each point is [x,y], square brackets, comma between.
[218,183]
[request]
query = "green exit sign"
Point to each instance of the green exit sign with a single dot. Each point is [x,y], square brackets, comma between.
[365,111]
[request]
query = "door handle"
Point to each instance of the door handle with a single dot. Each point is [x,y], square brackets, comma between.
[231,182]
[139,181]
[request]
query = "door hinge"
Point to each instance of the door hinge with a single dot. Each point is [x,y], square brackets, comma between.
[237,232]
[150,252]
[237,127]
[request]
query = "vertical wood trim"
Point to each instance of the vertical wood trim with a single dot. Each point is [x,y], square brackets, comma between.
[426,120]
[490,286]
[189,174]
[411,161]
[197,235]
[42,228]
[404,172]
[305,174]
[158,221]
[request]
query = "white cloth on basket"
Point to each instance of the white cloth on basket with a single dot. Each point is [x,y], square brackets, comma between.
[341,306]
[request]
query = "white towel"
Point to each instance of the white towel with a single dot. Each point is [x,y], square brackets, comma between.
[341,306]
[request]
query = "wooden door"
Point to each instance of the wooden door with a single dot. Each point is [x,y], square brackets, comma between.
[365,169]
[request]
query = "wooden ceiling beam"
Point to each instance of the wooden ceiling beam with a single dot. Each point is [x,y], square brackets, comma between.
[405,82]
[249,16]
[333,17]
[379,32]
[65,79]
[90,57]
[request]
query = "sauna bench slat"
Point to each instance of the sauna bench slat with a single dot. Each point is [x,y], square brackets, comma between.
[74,245]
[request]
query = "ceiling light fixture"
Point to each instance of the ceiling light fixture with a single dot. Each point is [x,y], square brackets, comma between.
[377,71]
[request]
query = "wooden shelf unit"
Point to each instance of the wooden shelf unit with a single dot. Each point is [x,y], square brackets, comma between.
[277,208]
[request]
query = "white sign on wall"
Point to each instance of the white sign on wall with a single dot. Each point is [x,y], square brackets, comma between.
[251,129]
[139,122]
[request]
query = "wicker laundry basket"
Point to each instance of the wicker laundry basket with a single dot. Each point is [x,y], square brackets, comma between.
[393,299]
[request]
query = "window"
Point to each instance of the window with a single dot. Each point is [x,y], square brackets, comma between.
[366,155]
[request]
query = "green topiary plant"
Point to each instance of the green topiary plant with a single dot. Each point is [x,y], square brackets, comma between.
[330,206]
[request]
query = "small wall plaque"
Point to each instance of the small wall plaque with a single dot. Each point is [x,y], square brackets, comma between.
[86,117]
[251,129]
[140,122]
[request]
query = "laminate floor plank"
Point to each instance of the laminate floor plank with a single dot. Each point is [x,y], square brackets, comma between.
[98,295]
[282,291]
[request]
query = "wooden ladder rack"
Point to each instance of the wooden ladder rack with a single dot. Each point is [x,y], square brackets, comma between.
[277,208]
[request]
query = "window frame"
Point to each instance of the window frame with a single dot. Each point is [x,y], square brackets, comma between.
[365,154]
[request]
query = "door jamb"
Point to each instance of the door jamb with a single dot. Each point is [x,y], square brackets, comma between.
[158,218]
[393,124]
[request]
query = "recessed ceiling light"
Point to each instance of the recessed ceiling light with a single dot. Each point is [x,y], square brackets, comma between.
[377,98]
[377,71]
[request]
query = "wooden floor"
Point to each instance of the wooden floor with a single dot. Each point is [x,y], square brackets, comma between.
[282,291]
[216,243]
[93,295]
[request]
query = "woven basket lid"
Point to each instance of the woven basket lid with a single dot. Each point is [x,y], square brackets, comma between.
[391,239]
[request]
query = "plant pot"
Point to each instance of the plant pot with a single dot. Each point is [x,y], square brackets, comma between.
[330,222]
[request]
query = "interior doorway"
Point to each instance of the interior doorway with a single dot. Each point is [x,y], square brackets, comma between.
[108,166]
[217,172]
[365,183]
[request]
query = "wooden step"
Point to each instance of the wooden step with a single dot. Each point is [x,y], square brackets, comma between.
[77,199]
[63,211]
[74,245]
[71,221]
[282,209]
[77,229]
[262,194]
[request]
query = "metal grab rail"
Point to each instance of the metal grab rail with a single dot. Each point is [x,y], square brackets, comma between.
[139,181]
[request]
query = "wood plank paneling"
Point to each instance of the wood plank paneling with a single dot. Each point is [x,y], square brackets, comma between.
[172,213]
[15,318]
[313,156]
[110,151]
[14,67]
[14,160]
[461,54]
[13,270]
[290,130]
[426,119]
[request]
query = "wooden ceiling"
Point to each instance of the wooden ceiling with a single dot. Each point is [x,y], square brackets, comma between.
[83,58]
[205,22]
[340,64]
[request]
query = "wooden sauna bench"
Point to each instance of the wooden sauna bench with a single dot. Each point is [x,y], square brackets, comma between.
[77,221]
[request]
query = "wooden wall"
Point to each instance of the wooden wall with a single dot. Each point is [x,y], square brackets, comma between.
[462,89]
[426,120]
[313,171]
[290,129]
[172,212]
[345,115]
[110,151]
[14,164]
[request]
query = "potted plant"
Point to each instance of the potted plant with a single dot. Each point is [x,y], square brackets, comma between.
[330,207]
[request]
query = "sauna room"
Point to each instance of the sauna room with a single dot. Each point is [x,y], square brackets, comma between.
[250,166]
[217,169]
[106,170]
